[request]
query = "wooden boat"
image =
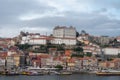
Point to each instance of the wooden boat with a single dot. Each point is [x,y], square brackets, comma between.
[108,73]
[63,73]
[24,72]
[35,74]
[32,74]
[10,73]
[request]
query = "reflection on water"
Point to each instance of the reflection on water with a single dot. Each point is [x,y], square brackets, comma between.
[61,77]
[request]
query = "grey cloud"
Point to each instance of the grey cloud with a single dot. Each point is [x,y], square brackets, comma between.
[93,22]
[108,3]
[11,9]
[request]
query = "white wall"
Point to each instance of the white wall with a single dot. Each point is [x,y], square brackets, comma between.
[34,39]
[37,41]
[65,41]
[2,62]
[111,51]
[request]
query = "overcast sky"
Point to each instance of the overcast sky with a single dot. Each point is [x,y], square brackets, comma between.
[97,17]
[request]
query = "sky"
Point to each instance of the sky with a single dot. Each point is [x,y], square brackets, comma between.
[96,17]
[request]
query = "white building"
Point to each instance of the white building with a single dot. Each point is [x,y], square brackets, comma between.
[66,41]
[104,40]
[118,38]
[34,39]
[66,35]
[82,38]
[10,63]
[42,41]
[2,62]
[50,62]
[93,49]
[9,53]
[111,51]
[64,32]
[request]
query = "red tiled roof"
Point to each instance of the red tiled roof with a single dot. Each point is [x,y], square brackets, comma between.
[3,54]
[71,60]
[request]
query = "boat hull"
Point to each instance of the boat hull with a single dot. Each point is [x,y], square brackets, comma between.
[64,73]
[108,74]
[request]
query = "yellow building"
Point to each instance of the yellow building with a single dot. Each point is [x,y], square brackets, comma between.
[16,60]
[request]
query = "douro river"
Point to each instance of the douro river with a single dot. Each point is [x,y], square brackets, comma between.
[61,77]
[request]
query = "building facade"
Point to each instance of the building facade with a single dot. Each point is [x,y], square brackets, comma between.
[66,35]
[64,32]
[34,39]
[111,51]
[66,41]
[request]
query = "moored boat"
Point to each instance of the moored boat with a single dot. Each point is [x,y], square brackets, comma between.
[35,74]
[63,73]
[24,72]
[108,73]
[10,73]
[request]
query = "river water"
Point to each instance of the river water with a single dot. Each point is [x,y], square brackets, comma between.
[61,77]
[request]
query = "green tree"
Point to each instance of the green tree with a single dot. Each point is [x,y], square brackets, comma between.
[78,49]
[60,47]
[81,55]
[43,47]
[118,55]
[23,46]
[88,54]
[59,67]
[79,43]
[77,34]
